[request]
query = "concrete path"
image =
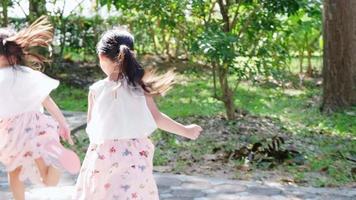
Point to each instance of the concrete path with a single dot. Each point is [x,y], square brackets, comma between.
[182,187]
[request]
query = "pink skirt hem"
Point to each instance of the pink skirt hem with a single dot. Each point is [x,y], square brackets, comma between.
[22,140]
[118,169]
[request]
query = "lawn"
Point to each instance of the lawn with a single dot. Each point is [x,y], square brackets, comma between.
[327,142]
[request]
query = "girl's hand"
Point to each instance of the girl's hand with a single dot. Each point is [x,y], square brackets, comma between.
[64,132]
[193,131]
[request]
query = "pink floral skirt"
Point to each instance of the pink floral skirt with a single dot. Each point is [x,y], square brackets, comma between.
[22,139]
[118,170]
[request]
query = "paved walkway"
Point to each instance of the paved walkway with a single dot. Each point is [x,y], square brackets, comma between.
[182,187]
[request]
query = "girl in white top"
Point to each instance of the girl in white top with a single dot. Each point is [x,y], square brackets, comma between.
[29,140]
[121,116]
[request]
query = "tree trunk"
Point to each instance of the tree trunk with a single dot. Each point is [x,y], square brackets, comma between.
[227,93]
[310,66]
[167,46]
[154,41]
[214,80]
[223,70]
[37,8]
[177,47]
[5,19]
[224,9]
[301,59]
[339,73]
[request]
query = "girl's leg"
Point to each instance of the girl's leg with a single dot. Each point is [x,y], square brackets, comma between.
[50,175]
[16,186]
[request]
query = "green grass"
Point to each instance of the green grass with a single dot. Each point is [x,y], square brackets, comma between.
[186,99]
[193,96]
[70,98]
[297,109]
[294,107]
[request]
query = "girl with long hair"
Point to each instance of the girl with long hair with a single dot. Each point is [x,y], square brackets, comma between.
[30,146]
[121,116]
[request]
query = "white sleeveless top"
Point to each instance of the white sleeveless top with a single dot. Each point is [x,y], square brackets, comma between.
[119,111]
[22,90]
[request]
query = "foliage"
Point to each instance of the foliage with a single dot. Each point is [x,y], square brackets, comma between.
[78,37]
[237,40]
[304,29]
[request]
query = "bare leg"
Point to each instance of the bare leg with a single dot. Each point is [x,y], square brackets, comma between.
[50,175]
[16,186]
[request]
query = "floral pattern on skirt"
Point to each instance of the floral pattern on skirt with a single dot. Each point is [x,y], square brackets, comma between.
[118,170]
[22,138]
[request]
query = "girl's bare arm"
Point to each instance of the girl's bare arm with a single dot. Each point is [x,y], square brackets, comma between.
[90,105]
[167,124]
[56,113]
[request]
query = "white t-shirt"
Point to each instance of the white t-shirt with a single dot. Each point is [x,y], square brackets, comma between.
[119,111]
[23,89]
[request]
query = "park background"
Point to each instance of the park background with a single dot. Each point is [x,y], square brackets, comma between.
[250,72]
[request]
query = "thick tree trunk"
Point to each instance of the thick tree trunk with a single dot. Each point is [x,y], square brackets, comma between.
[339,89]
[37,8]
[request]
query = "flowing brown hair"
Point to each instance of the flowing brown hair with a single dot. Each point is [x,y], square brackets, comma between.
[118,46]
[157,84]
[19,48]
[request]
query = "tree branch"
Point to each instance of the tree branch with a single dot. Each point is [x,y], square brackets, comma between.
[234,20]
[224,12]
[211,11]
[23,11]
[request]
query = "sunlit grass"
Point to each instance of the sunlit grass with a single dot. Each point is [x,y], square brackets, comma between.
[296,108]
[191,96]
[70,98]
[299,111]
[299,108]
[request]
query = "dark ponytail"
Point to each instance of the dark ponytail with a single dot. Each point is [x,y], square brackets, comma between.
[118,46]
[18,47]
[129,66]
[10,49]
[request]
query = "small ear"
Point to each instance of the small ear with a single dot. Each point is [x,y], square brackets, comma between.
[101,56]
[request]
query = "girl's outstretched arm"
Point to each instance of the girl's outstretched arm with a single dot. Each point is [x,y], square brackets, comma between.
[90,105]
[56,113]
[167,124]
